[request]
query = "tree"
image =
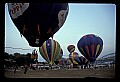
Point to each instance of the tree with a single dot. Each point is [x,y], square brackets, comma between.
[6,55]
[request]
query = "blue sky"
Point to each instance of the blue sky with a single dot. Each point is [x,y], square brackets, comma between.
[82,19]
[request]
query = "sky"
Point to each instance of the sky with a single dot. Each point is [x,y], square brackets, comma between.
[82,19]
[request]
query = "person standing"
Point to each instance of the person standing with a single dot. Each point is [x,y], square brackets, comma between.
[15,67]
[26,67]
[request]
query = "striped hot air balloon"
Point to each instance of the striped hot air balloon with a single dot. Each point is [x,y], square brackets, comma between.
[73,57]
[71,48]
[82,60]
[50,50]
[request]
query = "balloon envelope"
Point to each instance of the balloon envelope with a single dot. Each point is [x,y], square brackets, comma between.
[50,50]
[73,57]
[71,48]
[62,61]
[82,61]
[90,46]
[59,57]
[68,61]
[37,22]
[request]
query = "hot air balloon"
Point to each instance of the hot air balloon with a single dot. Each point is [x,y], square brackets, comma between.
[62,61]
[90,46]
[73,57]
[68,61]
[59,57]
[50,50]
[71,48]
[82,61]
[37,22]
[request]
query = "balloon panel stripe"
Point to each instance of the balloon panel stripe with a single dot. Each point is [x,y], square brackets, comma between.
[54,46]
[54,42]
[92,49]
[87,49]
[45,52]
[82,51]
[48,49]
[99,51]
[57,50]
[98,47]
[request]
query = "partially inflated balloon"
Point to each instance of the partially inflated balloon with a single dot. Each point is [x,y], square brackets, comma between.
[73,57]
[50,50]
[90,46]
[37,22]
[62,61]
[68,61]
[82,60]
[71,48]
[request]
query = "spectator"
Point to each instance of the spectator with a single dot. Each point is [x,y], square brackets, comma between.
[25,69]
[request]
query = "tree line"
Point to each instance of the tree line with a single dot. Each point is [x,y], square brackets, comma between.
[19,59]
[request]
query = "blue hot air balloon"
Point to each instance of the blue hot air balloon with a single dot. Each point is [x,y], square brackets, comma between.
[90,46]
